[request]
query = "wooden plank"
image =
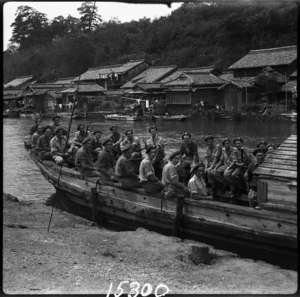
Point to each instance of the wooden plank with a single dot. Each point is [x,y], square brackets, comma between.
[276,172]
[285,153]
[278,207]
[293,145]
[262,187]
[282,157]
[287,149]
[278,166]
[280,191]
[280,162]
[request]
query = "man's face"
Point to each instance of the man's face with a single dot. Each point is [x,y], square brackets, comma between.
[127,153]
[48,132]
[114,130]
[176,159]
[81,128]
[210,142]
[40,129]
[152,154]
[56,121]
[59,134]
[153,132]
[186,139]
[88,145]
[98,135]
[129,135]
[199,172]
[259,157]
[238,144]
[109,146]
[227,144]
[262,146]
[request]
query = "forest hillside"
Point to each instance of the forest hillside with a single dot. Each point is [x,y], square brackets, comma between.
[194,35]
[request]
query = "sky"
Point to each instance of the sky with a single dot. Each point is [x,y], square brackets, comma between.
[107,10]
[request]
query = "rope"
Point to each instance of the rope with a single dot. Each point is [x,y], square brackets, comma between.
[70,122]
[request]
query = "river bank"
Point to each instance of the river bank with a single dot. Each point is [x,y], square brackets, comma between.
[78,257]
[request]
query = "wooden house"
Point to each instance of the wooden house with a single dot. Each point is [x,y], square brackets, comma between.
[113,76]
[19,82]
[281,59]
[13,98]
[190,88]
[288,92]
[43,97]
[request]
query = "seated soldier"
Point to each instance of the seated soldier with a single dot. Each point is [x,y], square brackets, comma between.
[33,128]
[81,134]
[217,173]
[84,160]
[212,157]
[106,161]
[196,185]
[43,144]
[36,135]
[263,146]
[251,180]
[58,145]
[234,172]
[124,169]
[97,146]
[170,179]
[159,143]
[56,123]
[135,143]
[150,182]
[116,138]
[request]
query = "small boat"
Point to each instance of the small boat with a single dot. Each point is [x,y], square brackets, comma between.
[268,233]
[292,116]
[119,117]
[79,116]
[171,118]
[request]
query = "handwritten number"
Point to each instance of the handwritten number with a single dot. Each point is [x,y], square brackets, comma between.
[134,290]
[109,290]
[120,288]
[161,286]
[149,290]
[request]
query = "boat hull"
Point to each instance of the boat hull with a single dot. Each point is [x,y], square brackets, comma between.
[262,234]
[171,118]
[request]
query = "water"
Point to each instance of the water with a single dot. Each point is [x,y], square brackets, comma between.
[22,179]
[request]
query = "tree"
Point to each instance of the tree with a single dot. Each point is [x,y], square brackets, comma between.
[29,28]
[89,19]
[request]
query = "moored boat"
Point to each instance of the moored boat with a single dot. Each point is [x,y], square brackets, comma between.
[119,117]
[171,118]
[269,233]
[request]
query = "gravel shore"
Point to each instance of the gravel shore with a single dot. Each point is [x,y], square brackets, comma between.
[77,257]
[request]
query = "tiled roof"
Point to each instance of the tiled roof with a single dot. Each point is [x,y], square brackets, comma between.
[195,79]
[84,88]
[48,86]
[289,86]
[96,72]
[18,81]
[226,76]
[149,86]
[113,92]
[179,71]
[12,94]
[267,57]
[65,80]
[151,75]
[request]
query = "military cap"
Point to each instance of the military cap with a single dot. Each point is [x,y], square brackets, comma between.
[196,166]
[129,130]
[174,154]
[208,138]
[57,129]
[86,139]
[238,139]
[125,147]
[186,133]
[261,142]
[56,116]
[226,139]
[152,127]
[271,145]
[256,151]
[149,148]
[114,126]
[105,141]
[47,127]
[98,131]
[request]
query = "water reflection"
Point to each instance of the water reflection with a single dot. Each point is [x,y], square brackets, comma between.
[22,178]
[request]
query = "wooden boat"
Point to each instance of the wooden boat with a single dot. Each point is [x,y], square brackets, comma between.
[292,116]
[119,117]
[79,116]
[171,118]
[269,234]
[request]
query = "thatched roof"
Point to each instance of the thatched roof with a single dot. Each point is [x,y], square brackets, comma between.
[151,75]
[18,81]
[267,57]
[105,71]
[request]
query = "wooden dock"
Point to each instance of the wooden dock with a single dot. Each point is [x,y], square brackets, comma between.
[277,185]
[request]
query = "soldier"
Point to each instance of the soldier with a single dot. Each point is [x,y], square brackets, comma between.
[135,143]
[212,157]
[56,123]
[116,138]
[218,172]
[234,172]
[263,146]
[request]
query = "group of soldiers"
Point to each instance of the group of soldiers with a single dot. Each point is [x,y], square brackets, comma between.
[185,174]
